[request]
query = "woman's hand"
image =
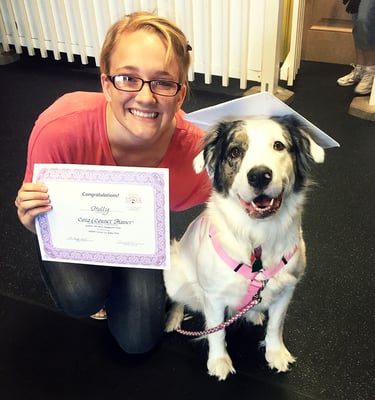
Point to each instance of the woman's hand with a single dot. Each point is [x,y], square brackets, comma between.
[32,200]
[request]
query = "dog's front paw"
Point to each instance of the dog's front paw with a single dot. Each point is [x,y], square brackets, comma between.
[175,317]
[220,367]
[279,359]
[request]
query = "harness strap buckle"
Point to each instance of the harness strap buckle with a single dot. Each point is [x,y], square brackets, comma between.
[257,296]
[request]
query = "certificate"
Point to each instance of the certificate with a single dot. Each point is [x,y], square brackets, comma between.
[103,215]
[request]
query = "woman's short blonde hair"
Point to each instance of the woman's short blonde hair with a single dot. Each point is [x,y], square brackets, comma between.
[175,40]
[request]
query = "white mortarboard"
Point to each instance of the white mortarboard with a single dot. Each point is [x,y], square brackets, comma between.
[258,104]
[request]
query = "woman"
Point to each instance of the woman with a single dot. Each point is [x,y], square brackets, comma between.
[362,75]
[136,121]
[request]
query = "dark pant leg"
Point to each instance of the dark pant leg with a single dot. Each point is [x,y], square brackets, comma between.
[136,308]
[134,299]
[79,290]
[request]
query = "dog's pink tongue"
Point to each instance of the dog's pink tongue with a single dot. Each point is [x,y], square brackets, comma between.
[262,206]
[262,201]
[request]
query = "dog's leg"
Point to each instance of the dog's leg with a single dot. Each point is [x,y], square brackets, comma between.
[175,317]
[255,317]
[277,355]
[219,363]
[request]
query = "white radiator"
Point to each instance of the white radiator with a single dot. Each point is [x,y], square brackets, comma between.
[229,37]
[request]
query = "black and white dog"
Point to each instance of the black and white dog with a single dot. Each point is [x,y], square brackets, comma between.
[249,238]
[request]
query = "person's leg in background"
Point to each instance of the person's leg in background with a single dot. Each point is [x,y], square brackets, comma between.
[363,32]
[364,41]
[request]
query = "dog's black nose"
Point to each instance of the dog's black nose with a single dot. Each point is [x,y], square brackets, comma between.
[259,177]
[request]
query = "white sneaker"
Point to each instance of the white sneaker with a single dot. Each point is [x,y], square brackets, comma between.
[365,84]
[353,77]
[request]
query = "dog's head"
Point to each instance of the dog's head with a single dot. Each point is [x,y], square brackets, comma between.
[259,161]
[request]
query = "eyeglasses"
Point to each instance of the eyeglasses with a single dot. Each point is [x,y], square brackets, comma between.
[133,84]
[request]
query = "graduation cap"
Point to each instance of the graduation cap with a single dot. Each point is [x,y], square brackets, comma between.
[263,103]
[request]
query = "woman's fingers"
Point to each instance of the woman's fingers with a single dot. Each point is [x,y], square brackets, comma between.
[32,200]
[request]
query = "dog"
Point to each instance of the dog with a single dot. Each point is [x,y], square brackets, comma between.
[260,172]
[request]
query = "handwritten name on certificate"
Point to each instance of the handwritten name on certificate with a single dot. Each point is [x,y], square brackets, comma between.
[102,215]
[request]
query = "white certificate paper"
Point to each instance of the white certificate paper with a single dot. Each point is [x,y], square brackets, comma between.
[103,215]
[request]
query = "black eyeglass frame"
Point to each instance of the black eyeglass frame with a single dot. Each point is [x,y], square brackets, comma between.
[112,78]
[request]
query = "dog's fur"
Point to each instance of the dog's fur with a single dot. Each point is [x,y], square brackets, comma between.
[250,162]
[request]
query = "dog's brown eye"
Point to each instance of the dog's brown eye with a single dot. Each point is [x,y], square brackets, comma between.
[235,152]
[278,146]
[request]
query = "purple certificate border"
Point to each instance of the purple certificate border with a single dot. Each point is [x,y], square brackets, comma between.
[153,179]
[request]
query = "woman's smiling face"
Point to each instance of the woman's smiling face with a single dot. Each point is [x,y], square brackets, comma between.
[143,115]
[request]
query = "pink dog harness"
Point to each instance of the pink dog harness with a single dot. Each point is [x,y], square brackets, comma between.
[250,272]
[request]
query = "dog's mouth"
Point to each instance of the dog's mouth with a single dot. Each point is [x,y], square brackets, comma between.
[262,206]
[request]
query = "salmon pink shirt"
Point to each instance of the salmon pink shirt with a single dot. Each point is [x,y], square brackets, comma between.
[73,131]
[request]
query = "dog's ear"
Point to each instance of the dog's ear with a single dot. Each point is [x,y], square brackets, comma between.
[205,159]
[316,151]
[198,163]
[201,162]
